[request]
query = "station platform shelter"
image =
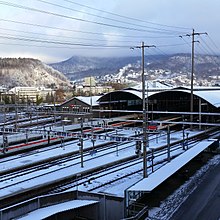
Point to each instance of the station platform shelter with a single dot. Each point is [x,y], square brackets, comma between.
[159,176]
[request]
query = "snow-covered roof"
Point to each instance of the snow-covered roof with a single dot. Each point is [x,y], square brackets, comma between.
[153,85]
[211,96]
[155,179]
[199,88]
[138,93]
[133,92]
[89,99]
[48,211]
[86,99]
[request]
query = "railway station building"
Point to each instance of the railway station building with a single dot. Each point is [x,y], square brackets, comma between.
[80,106]
[118,103]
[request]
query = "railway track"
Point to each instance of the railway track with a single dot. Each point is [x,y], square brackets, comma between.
[56,168]
[62,181]
[57,159]
[121,172]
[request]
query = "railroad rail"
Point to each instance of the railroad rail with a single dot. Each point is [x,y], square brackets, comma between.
[42,188]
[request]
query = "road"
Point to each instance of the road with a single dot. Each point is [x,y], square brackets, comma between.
[204,202]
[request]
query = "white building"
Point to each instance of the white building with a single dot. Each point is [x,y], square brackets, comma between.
[30,93]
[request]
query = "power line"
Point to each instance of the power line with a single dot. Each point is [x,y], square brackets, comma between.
[77,19]
[209,48]
[103,17]
[207,51]
[185,41]
[62,43]
[41,40]
[59,36]
[171,45]
[126,17]
[59,47]
[213,42]
[84,32]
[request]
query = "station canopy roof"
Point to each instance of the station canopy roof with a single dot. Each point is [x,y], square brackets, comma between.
[208,94]
[152,85]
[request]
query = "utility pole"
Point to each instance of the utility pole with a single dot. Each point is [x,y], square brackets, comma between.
[81,141]
[54,107]
[192,77]
[145,112]
[192,70]
[91,115]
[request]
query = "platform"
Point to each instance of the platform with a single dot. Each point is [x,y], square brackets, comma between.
[155,179]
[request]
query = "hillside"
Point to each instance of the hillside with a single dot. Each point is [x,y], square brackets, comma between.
[80,67]
[162,66]
[29,72]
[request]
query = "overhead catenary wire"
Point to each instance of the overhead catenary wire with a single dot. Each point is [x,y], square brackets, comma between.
[82,44]
[108,18]
[50,37]
[77,47]
[206,51]
[208,47]
[62,42]
[63,37]
[126,17]
[84,32]
[182,38]
[213,42]
[80,19]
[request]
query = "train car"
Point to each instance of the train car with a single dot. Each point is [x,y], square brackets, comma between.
[152,126]
[36,140]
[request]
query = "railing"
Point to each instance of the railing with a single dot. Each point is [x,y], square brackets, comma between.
[140,212]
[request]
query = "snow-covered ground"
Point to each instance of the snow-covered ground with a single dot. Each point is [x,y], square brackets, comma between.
[68,168]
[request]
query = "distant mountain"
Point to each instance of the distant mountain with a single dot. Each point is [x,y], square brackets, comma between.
[29,72]
[80,67]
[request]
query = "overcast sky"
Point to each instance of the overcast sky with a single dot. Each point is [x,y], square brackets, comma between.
[52,30]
